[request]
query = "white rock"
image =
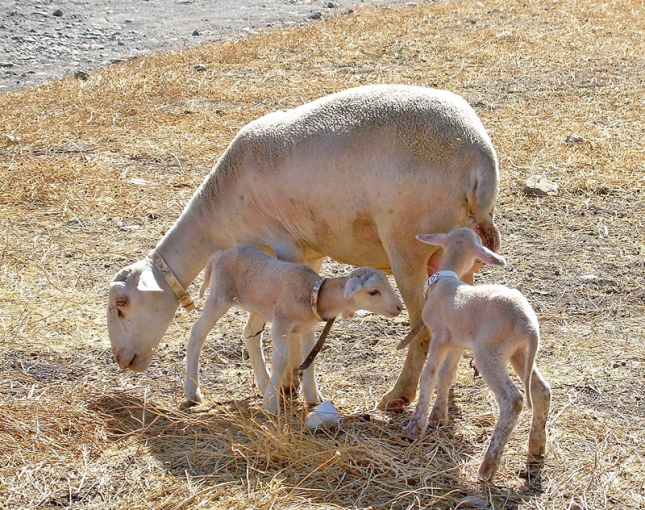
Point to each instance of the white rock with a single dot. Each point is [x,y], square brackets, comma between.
[325,415]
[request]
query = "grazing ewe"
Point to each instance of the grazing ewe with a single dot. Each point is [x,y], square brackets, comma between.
[353,176]
[497,324]
[290,296]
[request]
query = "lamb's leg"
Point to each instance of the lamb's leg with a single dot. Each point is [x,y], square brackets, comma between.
[445,379]
[253,339]
[281,364]
[410,274]
[419,421]
[541,397]
[214,309]
[307,342]
[492,368]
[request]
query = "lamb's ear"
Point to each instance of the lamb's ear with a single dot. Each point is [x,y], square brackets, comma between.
[147,282]
[490,257]
[434,239]
[352,286]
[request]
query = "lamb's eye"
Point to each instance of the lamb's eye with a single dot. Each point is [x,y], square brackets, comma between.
[374,292]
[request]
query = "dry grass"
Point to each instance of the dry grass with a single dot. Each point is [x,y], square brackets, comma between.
[74,431]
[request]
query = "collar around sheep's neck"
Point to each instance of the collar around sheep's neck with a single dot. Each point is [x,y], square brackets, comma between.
[435,278]
[314,298]
[182,295]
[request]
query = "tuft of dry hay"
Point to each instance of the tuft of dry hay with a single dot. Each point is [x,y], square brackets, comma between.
[94,172]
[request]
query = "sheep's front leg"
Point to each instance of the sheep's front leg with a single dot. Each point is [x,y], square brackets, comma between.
[214,309]
[493,372]
[253,339]
[419,421]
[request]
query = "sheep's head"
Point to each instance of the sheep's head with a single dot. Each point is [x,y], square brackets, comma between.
[140,308]
[370,290]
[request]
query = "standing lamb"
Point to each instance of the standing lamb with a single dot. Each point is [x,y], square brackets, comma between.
[353,176]
[290,296]
[497,324]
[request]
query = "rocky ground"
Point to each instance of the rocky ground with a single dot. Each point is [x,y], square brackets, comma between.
[42,40]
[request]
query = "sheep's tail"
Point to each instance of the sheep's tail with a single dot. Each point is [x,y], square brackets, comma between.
[207,277]
[531,354]
[484,187]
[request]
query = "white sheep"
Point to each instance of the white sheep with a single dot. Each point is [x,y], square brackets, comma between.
[352,176]
[293,298]
[497,324]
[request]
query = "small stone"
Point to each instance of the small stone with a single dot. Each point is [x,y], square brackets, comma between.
[82,75]
[540,186]
[472,502]
[573,138]
[196,33]
[315,15]
[200,67]
[58,13]
[331,5]
[6,64]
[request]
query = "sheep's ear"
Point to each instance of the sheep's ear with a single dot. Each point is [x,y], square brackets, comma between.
[434,239]
[352,286]
[490,257]
[147,282]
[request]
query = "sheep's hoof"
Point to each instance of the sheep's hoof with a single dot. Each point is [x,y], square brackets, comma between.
[397,404]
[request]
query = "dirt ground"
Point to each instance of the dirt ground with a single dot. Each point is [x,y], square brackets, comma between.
[36,45]
[94,171]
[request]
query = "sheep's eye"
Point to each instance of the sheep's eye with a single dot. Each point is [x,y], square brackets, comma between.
[374,292]
[121,302]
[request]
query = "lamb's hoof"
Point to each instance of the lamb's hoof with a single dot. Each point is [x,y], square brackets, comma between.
[397,404]
[412,431]
[487,470]
[537,447]
[196,398]
[437,420]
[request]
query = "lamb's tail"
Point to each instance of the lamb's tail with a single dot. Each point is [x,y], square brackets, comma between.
[208,271]
[531,354]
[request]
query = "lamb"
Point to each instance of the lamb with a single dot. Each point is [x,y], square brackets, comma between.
[290,296]
[496,323]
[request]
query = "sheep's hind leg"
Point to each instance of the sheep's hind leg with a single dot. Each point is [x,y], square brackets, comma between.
[409,270]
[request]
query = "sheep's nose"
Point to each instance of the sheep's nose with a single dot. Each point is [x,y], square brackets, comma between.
[399,308]
[124,362]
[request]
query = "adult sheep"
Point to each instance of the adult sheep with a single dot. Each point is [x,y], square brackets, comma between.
[353,176]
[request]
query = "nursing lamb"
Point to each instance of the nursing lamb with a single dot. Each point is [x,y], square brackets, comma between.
[497,324]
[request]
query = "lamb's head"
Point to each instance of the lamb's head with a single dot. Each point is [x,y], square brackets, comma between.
[140,307]
[369,289]
[462,249]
